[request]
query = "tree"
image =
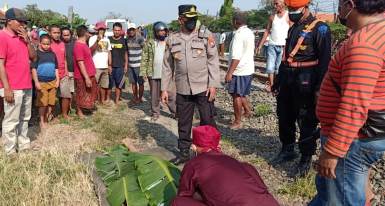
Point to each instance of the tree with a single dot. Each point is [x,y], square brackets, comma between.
[42,18]
[227,8]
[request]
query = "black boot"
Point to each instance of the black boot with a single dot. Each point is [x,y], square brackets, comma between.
[182,158]
[304,165]
[286,154]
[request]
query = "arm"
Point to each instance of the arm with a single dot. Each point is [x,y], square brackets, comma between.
[35,79]
[266,33]
[126,62]
[8,93]
[57,78]
[323,49]
[236,51]
[109,62]
[167,71]
[187,182]
[94,41]
[359,79]
[213,67]
[144,64]
[83,71]
[31,52]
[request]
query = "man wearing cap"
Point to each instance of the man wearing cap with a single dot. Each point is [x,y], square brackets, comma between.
[151,67]
[191,58]
[217,178]
[306,59]
[101,54]
[16,51]
[135,43]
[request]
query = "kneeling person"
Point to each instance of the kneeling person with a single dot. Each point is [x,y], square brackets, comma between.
[219,179]
[46,77]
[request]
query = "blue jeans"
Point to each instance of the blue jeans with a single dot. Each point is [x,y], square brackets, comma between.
[274,58]
[348,189]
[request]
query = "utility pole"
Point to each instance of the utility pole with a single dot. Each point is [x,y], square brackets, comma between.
[70,15]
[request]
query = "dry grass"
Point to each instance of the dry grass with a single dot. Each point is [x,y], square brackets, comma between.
[44,178]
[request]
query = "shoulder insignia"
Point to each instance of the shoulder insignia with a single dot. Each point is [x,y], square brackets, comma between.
[211,41]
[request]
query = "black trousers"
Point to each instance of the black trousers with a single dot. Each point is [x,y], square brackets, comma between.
[185,106]
[296,103]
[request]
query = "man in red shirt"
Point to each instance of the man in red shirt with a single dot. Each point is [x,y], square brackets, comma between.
[216,179]
[58,47]
[84,73]
[16,51]
[351,107]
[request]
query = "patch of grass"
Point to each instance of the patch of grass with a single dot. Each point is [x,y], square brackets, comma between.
[301,187]
[263,109]
[44,179]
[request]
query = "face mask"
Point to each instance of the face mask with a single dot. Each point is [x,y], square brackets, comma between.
[190,24]
[162,38]
[295,16]
[344,20]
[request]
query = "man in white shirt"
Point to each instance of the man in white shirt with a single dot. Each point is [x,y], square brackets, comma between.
[242,68]
[100,47]
[275,34]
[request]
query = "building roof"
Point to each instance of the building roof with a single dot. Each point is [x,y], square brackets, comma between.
[328,17]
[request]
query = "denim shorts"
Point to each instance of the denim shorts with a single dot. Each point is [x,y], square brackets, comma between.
[240,85]
[274,58]
[352,174]
[135,78]
[116,78]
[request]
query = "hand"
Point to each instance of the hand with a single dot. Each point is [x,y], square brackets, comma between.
[211,93]
[258,51]
[109,70]
[164,97]
[229,77]
[125,70]
[22,33]
[316,96]
[8,96]
[326,166]
[57,84]
[88,82]
[38,86]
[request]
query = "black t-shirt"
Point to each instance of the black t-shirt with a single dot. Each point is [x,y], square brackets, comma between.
[69,55]
[119,49]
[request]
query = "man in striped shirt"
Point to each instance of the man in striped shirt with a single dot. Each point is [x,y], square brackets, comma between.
[351,107]
[135,43]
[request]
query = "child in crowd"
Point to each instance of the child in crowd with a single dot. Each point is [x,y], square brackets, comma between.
[46,77]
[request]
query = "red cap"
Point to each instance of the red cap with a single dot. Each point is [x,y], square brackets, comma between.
[296,3]
[206,137]
[100,25]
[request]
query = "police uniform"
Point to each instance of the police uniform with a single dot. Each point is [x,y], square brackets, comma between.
[299,79]
[192,60]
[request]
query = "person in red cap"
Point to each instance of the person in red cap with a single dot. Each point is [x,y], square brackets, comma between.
[101,55]
[215,179]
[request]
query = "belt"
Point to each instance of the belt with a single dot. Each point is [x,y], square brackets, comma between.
[301,64]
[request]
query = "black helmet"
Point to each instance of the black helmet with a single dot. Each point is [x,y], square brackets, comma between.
[158,26]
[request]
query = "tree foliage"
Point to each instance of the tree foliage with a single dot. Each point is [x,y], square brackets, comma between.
[42,18]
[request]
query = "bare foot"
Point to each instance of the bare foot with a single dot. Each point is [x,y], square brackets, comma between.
[235,126]
[66,117]
[43,125]
[247,115]
[80,115]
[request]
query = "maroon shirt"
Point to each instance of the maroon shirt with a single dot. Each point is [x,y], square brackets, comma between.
[222,181]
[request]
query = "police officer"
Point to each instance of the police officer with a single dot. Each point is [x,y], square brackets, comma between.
[191,58]
[306,59]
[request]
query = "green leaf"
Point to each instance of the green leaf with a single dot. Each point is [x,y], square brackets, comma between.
[136,179]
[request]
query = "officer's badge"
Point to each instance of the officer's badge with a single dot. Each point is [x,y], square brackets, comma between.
[303,47]
[199,51]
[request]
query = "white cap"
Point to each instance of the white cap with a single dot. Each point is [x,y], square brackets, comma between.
[131,26]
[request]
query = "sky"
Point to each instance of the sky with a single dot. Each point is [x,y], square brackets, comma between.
[140,11]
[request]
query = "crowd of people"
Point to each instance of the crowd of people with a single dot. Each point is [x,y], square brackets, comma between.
[343,94]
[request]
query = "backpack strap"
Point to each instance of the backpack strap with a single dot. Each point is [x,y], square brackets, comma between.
[308,29]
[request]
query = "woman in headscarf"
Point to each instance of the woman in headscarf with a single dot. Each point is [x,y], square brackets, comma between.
[215,179]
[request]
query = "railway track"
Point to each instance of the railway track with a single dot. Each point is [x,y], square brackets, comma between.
[260,66]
